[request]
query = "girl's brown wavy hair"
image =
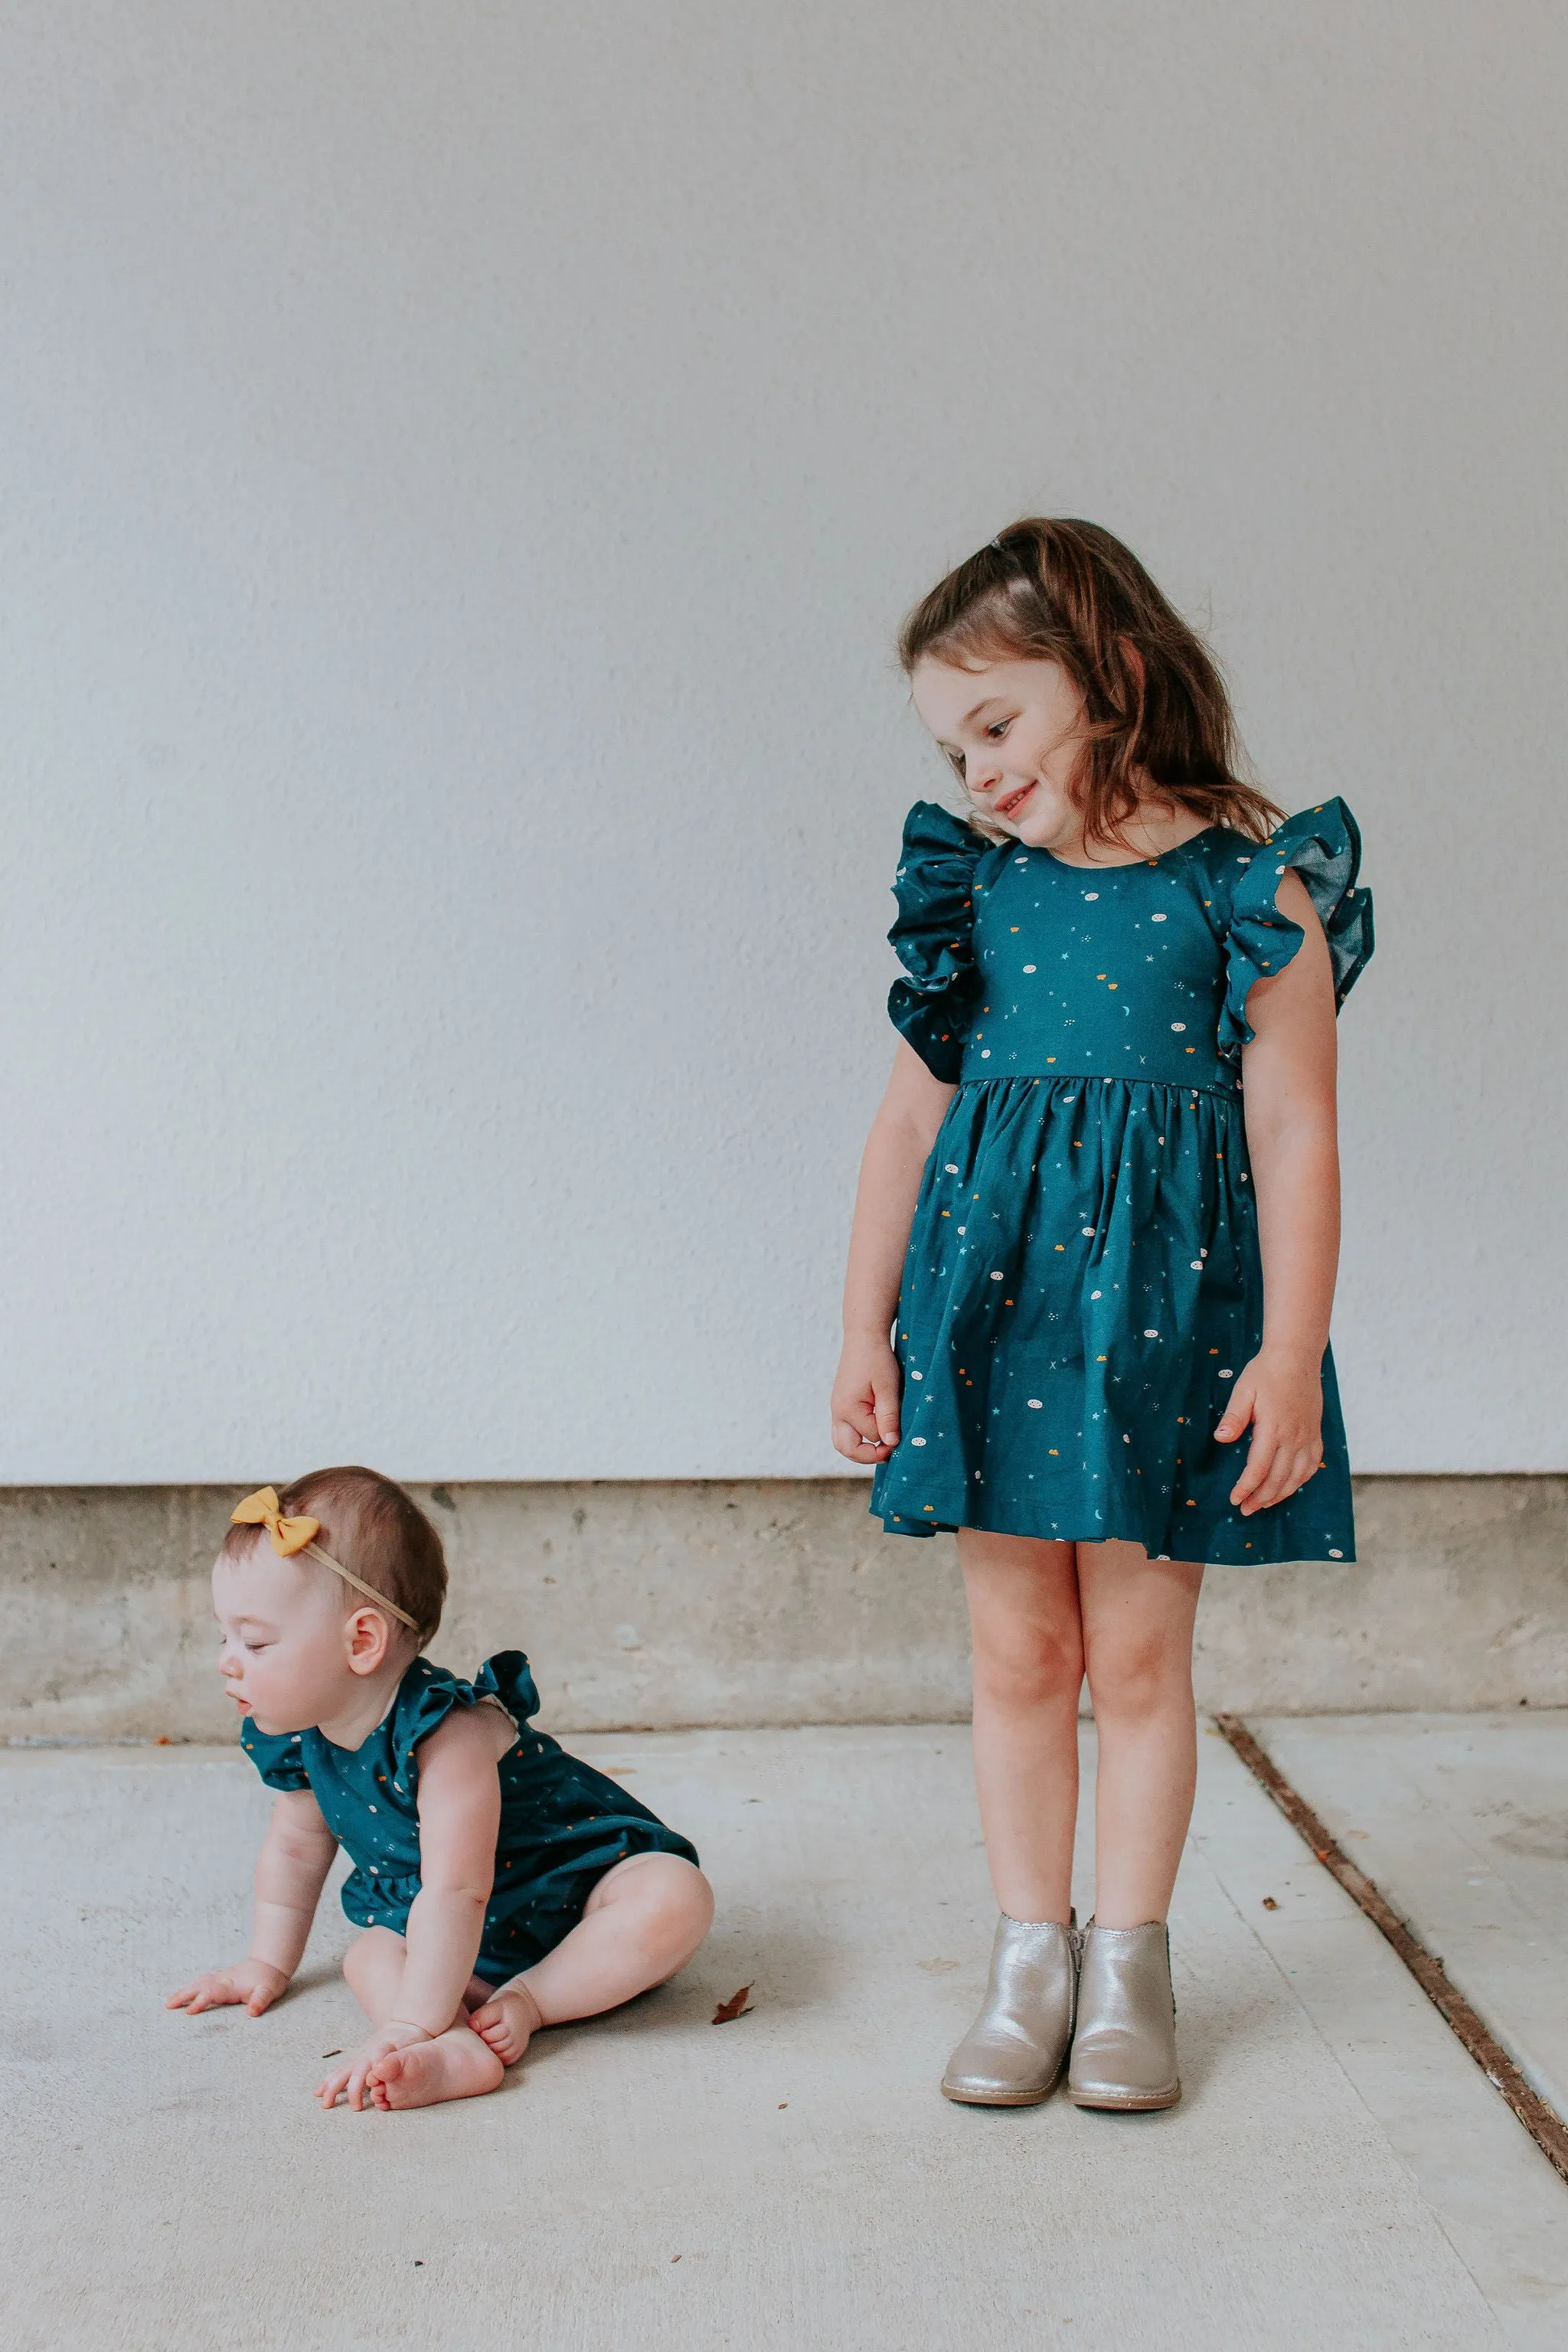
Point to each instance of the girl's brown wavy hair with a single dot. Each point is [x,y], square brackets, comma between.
[1069,593]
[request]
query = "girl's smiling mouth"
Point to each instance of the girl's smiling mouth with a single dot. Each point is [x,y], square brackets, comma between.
[1008,807]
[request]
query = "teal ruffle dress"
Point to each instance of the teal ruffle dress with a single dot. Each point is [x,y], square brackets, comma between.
[1083,1278]
[563,1824]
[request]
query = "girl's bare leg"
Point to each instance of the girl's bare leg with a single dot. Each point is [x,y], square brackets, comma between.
[1138,1650]
[642,1922]
[1028,1671]
[455,2066]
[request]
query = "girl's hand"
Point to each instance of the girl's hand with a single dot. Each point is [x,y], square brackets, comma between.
[257,1983]
[865,1406]
[351,2075]
[1282,1397]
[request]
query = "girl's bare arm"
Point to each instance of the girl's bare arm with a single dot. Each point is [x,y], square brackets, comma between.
[460,1815]
[866,1393]
[1289,1072]
[291,1871]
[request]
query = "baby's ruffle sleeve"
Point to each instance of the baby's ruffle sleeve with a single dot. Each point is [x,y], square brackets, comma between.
[505,1679]
[934,938]
[279,1760]
[1323,844]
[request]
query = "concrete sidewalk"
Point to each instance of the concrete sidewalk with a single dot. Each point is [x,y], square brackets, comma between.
[1338,2175]
[1462,1819]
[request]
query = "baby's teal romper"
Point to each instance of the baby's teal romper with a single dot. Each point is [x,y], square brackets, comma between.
[1083,1278]
[563,1824]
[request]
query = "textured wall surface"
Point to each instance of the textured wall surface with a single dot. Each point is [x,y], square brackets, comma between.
[462,466]
[775,1602]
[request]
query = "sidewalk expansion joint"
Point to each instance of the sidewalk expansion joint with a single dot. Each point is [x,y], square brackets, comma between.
[1544,2124]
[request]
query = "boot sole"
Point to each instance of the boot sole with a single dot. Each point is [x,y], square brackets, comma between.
[1132,2105]
[1001,2099]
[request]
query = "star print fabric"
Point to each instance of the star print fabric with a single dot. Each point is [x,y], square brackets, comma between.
[563,1824]
[1083,1279]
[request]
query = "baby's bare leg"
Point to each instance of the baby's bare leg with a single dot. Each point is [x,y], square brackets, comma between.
[456,2066]
[642,1923]
[373,1966]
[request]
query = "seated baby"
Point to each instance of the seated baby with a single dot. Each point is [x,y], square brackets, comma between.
[502,1884]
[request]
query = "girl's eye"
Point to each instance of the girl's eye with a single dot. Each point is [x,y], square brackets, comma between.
[998,729]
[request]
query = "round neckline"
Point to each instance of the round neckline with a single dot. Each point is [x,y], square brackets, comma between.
[1129,865]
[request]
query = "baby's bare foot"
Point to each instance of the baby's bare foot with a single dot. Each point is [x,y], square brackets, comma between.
[507,2022]
[456,2066]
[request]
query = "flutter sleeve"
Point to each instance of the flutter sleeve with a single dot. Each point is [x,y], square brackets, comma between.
[1324,846]
[279,1760]
[504,1680]
[934,938]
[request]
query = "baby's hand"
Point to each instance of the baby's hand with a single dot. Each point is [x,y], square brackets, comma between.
[507,2024]
[257,1983]
[350,2076]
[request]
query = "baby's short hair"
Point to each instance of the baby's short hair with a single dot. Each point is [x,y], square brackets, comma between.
[374,1527]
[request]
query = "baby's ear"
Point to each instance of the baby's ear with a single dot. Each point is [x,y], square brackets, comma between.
[367,1635]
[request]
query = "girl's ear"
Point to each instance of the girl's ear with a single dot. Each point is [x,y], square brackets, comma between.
[367,1637]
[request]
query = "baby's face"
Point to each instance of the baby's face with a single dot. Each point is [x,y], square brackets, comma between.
[1012,731]
[285,1651]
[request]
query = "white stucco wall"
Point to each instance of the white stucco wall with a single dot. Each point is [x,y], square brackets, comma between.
[461,466]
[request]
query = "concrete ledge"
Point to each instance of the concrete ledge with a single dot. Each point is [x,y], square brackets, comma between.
[781,1601]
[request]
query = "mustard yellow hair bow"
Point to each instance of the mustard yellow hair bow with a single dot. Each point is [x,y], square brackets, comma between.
[263,1509]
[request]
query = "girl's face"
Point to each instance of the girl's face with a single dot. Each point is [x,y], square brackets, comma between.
[291,1655]
[1012,731]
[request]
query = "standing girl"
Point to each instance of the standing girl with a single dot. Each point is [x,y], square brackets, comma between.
[1104,1270]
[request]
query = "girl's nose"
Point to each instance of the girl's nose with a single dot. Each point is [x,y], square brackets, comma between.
[228,1663]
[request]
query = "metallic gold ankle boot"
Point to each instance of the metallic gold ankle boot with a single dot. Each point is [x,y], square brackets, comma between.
[1124,2050]
[1013,2054]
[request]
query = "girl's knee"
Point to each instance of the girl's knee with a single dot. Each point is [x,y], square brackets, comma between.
[1041,1674]
[1137,1680]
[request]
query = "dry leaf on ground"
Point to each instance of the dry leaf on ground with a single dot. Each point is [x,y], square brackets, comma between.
[728,2011]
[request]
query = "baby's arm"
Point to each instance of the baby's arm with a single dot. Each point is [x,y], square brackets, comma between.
[291,1871]
[865,1407]
[459,1816]
[1288,1071]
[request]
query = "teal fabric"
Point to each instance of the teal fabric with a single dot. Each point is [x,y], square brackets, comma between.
[1083,1278]
[563,1824]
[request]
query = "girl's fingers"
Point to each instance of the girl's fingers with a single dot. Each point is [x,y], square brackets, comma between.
[1236,1414]
[858,1444]
[1259,1461]
[1294,1472]
[1273,1475]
